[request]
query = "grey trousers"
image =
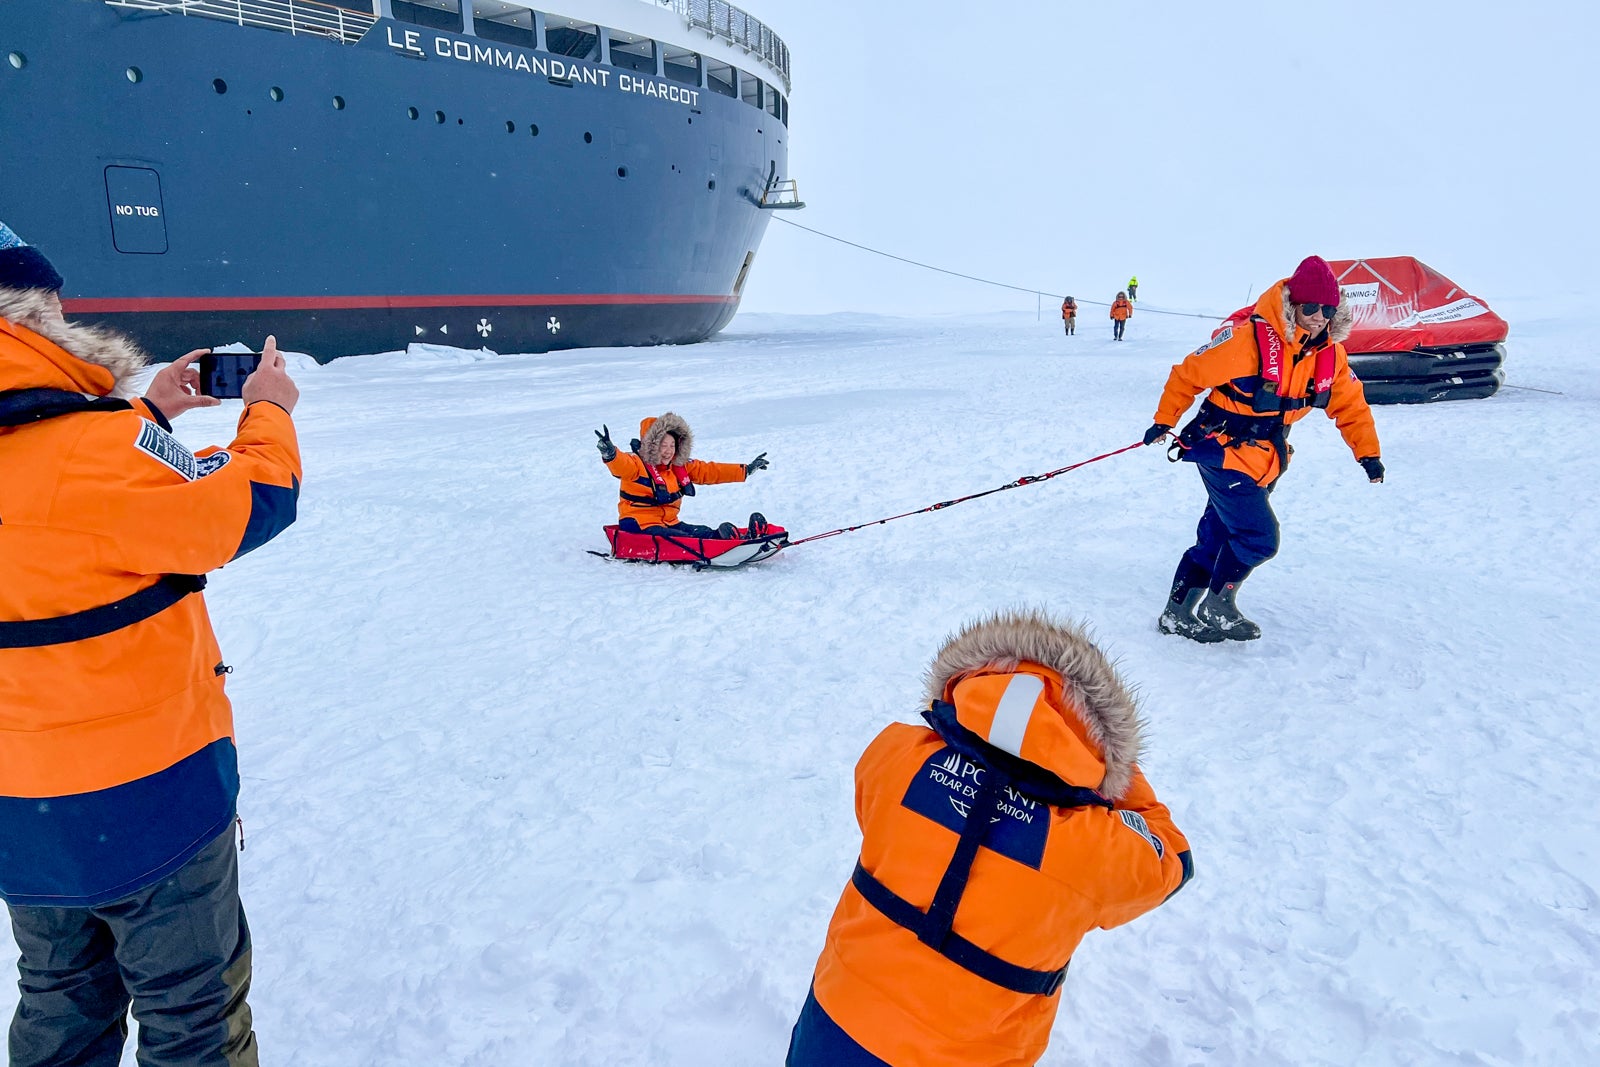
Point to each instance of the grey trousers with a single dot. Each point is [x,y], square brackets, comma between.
[178,951]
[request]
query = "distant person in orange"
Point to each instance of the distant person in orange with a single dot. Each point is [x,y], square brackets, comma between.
[1069,315]
[119,779]
[1121,310]
[1263,375]
[993,839]
[660,472]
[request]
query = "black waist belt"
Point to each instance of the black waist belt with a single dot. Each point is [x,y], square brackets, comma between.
[108,618]
[951,945]
[1280,403]
[1213,419]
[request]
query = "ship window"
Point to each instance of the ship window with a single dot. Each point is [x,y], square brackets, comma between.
[135,75]
[622,172]
[569,37]
[750,90]
[275,93]
[712,185]
[588,138]
[785,119]
[18,60]
[438,116]
[680,64]
[774,103]
[533,128]
[720,78]
[434,14]
[511,127]
[219,85]
[412,112]
[496,20]
[338,103]
[637,54]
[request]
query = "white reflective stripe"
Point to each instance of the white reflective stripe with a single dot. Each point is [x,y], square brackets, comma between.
[1016,709]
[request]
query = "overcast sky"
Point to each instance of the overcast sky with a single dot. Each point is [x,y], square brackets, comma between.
[1204,146]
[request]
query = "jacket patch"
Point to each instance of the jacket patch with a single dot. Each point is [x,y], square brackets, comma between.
[944,789]
[1225,335]
[211,464]
[1135,822]
[160,445]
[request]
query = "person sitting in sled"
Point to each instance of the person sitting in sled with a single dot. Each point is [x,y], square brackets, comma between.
[659,473]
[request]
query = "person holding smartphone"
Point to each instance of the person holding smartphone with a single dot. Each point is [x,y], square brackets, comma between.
[118,774]
[1268,368]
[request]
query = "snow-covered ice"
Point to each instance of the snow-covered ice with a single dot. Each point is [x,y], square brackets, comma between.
[510,804]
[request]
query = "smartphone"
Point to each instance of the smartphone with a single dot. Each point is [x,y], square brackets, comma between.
[222,374]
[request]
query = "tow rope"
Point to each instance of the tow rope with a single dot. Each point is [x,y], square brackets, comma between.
[1026,479]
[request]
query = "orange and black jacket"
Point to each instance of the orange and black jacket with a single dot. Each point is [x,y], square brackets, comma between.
[1069,309]
[1243,423]
[652,495]
[117,760]
[993,840]
[1121,308]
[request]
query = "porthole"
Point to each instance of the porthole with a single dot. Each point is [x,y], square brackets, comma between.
[18,60]
[219,85]
[412,112]
[533,129]
[511,127]
[275,93]
[461,122]
[134,74]
[712,185]
[338,103]
[622,172]
[438,116]
[588,138]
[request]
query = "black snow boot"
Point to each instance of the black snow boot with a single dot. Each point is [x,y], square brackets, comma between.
[1188,589]
[757,527]
[1219,611]
[728,532]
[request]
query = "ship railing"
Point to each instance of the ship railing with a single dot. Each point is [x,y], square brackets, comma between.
[734,24]
[781,194]
[295,16]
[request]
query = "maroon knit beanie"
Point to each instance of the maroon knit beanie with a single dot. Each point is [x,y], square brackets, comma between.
[1313,282]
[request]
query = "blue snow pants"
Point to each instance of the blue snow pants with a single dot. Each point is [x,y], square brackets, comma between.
[178,951]
[818,1041]
[1238,531]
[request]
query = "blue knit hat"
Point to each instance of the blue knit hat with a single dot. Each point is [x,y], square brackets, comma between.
[23,266]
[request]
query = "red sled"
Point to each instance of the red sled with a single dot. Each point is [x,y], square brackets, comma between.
[698,552]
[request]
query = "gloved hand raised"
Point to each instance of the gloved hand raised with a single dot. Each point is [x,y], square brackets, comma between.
[1374,468]
[757,464]
[608,451]
[1157,432]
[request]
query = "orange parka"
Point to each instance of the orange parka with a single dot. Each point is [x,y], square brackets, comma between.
[1031,730]
[1121,308]
[117,760]
[1069,309]
[651,494]
[1230,366]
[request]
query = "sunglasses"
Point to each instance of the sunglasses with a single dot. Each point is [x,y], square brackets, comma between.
[1327,310]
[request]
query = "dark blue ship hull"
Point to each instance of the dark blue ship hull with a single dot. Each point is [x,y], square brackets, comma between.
[358,197]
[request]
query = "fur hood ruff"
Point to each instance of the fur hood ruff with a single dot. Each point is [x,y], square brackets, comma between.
[102,346]
[653,432]
[1100,699]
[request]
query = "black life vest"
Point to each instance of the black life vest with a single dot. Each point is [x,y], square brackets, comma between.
[655,483]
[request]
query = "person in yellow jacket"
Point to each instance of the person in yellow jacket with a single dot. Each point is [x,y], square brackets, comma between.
[660,471]
[993,839]
[1264,373]
[1069,315]
[1133,287]
[1121,311]
[118,774]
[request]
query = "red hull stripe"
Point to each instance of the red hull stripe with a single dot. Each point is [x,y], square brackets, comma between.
[107,305]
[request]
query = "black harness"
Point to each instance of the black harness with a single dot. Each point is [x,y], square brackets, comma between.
[933,927]
[19,407]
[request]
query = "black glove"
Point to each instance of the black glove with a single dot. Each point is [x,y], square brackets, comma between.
[608,451]
[1156,432]
[1374,468]
[757,464]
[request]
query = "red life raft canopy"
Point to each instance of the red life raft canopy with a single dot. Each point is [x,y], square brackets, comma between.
[1401,303]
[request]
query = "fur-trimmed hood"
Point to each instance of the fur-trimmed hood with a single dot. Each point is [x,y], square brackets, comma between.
[1084,723]
[35,366]
[653,431]
[1276,307]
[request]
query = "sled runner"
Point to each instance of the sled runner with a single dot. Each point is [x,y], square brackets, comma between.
[698,552]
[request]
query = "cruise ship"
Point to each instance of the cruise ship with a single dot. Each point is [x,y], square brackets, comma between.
[356,176]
